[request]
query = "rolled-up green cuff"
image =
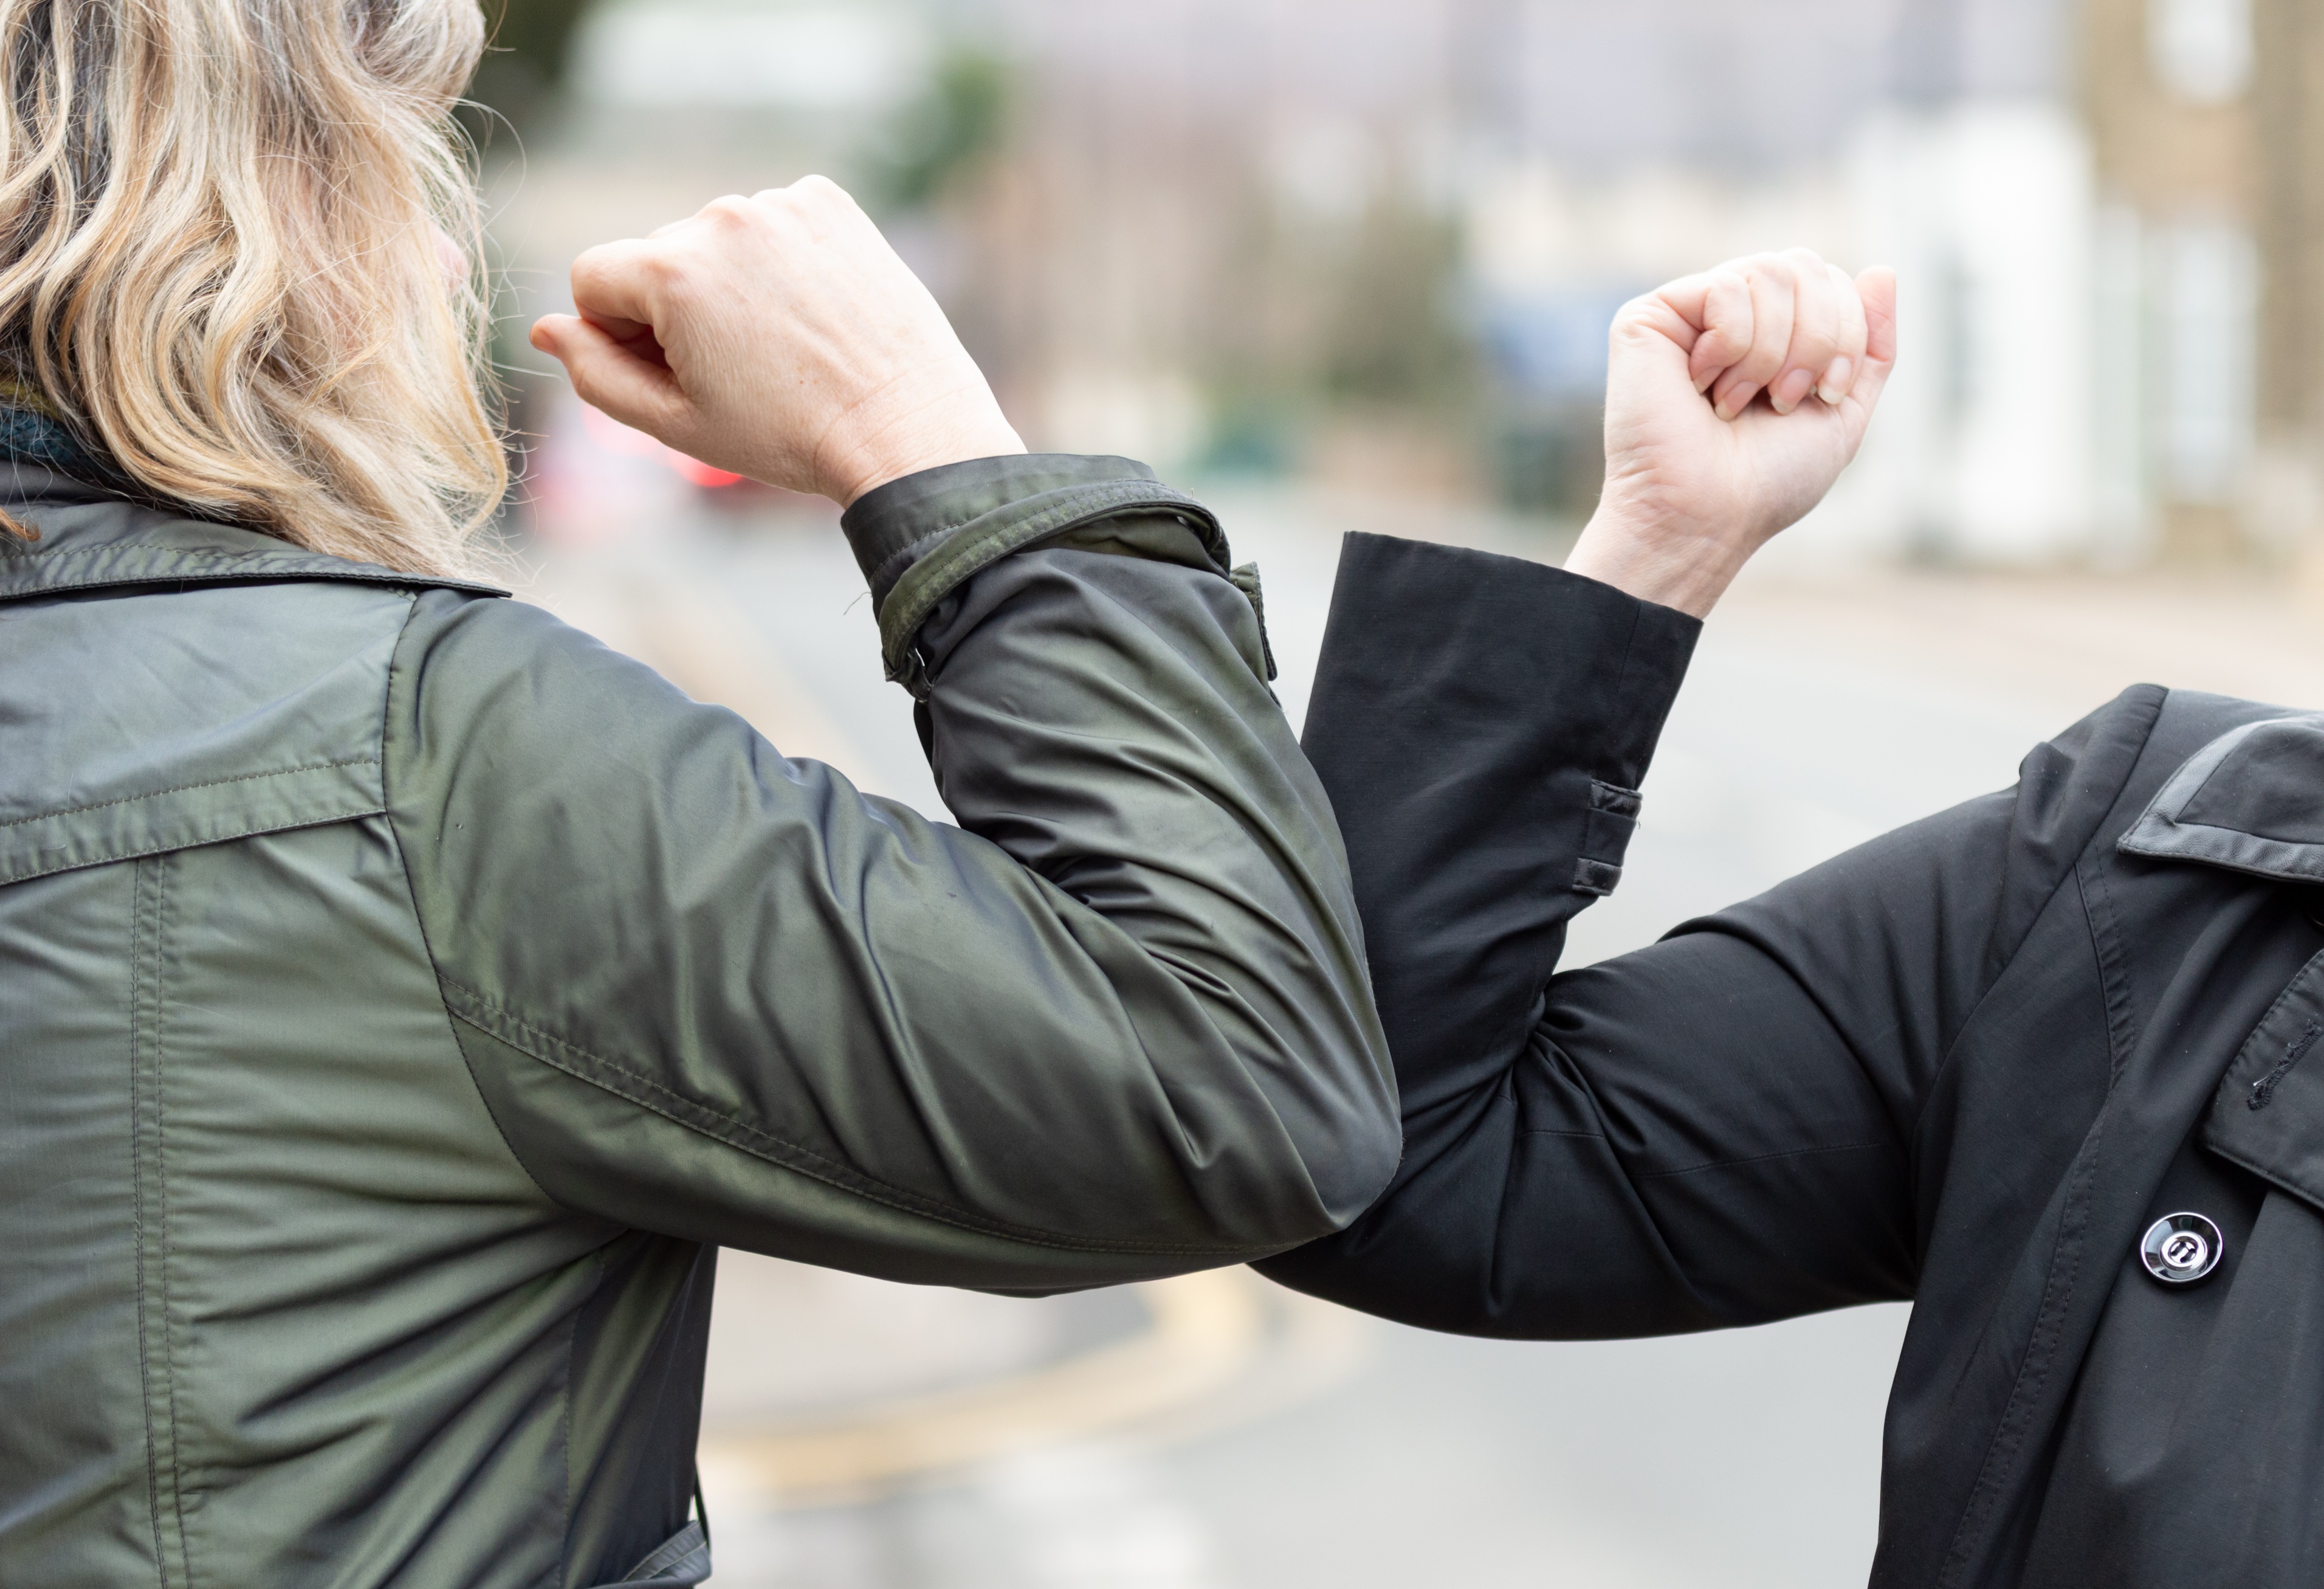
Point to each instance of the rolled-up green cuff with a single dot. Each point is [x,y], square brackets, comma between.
[920,538]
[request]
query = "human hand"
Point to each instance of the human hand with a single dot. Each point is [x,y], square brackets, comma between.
[777,336]
[1733,400]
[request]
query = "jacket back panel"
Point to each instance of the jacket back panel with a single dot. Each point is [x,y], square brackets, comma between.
[276,1296]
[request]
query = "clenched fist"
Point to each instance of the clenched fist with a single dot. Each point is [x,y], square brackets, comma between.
[777,336]
[1733,400]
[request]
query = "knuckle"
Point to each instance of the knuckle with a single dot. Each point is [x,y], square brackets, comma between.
[592,265]
[818,187]
[729,212]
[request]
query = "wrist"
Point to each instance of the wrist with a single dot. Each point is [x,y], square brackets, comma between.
[948,427]
[1682,565]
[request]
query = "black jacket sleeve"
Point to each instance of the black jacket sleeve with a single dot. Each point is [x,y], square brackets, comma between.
[1717,1130]
[1116,1024]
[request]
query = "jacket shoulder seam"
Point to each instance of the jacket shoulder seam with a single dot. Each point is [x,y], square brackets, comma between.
[2000,964]
[419,915]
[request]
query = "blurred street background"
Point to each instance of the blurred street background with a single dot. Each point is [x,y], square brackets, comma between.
[1349,264]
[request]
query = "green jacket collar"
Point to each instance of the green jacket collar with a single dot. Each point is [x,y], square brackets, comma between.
[90,540]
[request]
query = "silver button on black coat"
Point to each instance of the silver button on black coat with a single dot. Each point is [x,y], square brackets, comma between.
[2180,1248]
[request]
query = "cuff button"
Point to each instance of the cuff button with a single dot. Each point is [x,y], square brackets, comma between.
[2180,1248]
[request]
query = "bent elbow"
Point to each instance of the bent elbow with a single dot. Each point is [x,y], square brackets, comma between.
[1355,1170]
[1346,1147]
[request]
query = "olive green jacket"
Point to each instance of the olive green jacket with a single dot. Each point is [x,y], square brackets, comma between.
[402,997]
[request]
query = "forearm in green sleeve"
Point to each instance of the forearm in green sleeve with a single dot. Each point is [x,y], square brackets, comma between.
[1120,1026]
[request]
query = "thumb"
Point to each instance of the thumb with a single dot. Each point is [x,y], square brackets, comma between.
[613,377]
[1878,288]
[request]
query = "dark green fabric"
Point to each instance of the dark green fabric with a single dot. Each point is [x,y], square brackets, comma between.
[401,996]
[918,539]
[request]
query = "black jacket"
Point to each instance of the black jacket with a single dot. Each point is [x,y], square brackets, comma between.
[1968,1064]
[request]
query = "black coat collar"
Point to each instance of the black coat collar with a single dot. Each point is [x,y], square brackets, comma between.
[2250,800]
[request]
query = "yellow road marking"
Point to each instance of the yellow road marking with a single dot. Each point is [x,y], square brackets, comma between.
[1207,1328]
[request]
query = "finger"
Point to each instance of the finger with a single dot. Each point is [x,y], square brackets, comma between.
[621,283]
[1876,290]
[1717,307]
[612,378]
[1815,331]
[1854,332]
[1877,287]
[1774,287]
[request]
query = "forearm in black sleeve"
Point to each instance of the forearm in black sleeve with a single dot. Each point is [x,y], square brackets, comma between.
[1710,1131]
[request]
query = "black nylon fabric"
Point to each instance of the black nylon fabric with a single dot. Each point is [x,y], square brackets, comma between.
[1964,1064]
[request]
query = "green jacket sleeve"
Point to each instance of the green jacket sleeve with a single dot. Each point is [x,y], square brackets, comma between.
[1117,1024]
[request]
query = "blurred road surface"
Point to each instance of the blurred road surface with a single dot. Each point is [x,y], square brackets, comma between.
[1217,1433]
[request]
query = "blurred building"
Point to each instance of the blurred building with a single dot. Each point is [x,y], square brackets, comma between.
[2209,139]
[1378,242]
[1622,147]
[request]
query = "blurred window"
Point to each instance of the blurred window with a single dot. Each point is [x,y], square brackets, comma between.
[2201,49]
[811,58]
[2210,306]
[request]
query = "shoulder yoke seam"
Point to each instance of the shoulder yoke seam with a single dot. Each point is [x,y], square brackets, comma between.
[186,788]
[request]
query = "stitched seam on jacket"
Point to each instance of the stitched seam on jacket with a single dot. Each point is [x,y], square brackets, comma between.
[162,1163]
[113,856]
[420,919]
[155,794]
[1540,978]
[749,1139]
[2058,1283]
[2112,958]
[914,544]
[2033,1369]
[296,569]
[137,1213]
[2033,916]
[917,594]
[117,549]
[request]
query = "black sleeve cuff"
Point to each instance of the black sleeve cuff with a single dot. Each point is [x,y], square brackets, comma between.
[1459,688]
[918,539]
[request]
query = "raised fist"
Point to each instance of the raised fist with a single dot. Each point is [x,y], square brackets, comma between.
[777,336]
[1733,400]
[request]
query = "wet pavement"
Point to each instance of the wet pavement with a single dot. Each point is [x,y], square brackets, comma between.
[1218,1433]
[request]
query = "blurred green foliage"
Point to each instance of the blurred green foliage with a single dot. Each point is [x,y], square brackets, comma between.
[947,131]
[1392,336]
[524,66]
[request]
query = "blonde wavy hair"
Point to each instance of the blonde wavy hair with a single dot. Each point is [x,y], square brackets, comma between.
[227,231]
